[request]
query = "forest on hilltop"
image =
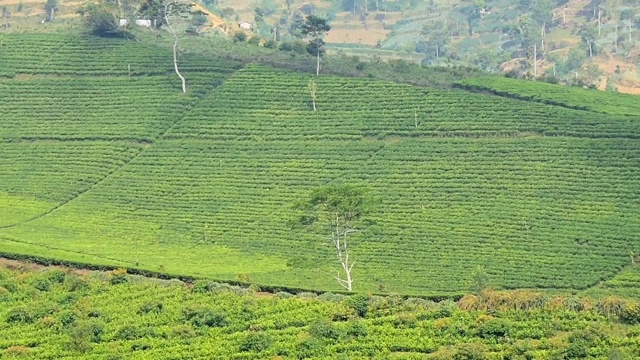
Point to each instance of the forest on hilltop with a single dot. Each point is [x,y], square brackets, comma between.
[576,42]
[593,43]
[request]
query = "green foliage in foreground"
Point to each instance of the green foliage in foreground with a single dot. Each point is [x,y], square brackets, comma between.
[61,314]
[571,97]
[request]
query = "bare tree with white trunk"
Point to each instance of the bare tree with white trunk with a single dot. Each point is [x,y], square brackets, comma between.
[162,13]
[340,240]
[313,91]
[338,210]
[170,9]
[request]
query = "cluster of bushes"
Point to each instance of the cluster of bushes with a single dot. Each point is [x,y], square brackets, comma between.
[396,70]
[294,46]
[622,309]
[480,324]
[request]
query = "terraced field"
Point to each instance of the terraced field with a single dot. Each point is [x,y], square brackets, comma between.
[127,171]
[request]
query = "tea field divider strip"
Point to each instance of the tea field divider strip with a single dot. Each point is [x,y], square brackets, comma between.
[49,247]
[110,174]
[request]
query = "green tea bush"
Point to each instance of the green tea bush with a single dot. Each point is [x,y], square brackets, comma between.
[325,330]
[256,342]
[56,276]
[154,307]
[19,315]
[42,284]
[204,317]
[359,303]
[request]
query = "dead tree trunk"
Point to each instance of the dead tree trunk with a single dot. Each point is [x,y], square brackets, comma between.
[339,238]
[599,21]
[313,92]
[535,61]
[175,50]
[544,25]
[318,61]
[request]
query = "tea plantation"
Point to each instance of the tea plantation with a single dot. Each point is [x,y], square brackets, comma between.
[55,313]
[105,162]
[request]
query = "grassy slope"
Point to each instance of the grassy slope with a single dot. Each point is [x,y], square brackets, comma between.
[59,314]
[463,179]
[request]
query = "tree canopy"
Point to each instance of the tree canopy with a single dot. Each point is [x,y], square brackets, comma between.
[346,200]
[100,19]
[315,27]
[336,210]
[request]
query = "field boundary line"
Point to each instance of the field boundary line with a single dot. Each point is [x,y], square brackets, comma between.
[507,95]
[88,140]
[162,136]
[49,247]
[142,150]
[108,175]
[599,283]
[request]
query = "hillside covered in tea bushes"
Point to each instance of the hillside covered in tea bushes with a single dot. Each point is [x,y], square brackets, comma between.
[104,162]
[56,313]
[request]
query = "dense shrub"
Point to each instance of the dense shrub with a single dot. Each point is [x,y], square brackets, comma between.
[360,304]
[185,331]
[118,276]
[239,36]
[9,286]
[4,294]
[254,40]
[576,350]
[95,329]
[201,317]
[256,342]
[357,330]
[74,283]
[631,313]
[310,347]
[56,276]
[496,328]
[155,307]
[324,330]
[284,295]
[80,339]
[141,346]
[68,299]
[67,318]
[17,351]
[20,315]
[42,284]
[296,46]
[470,352]
[131,332]
[271,44]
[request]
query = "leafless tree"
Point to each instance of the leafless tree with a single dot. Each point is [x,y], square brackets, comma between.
[175,47]
[340,240]
[313,88]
